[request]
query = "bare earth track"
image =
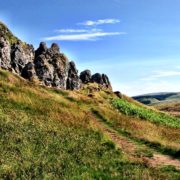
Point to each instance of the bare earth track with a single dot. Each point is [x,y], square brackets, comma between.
[129,148]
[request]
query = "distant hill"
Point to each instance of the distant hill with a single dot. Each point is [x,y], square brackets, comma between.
[158,98]
[168,102]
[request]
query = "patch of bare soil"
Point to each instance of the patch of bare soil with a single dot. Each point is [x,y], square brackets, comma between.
[159,159]
[129,148]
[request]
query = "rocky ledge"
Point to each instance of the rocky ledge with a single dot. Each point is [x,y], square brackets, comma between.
[48,65]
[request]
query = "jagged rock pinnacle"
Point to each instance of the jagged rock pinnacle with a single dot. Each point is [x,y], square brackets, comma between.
[48,65]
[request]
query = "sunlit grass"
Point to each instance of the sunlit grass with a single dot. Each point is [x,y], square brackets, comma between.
[145,114]
[48,134]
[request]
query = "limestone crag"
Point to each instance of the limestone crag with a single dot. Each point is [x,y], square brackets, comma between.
[5,54]
[98,78]
[48,65]
[21,54]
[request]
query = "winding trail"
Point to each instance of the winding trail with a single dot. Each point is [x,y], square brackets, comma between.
[129,148]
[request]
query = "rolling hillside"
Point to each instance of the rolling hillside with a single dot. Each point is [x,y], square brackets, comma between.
[50,134]
[168,102]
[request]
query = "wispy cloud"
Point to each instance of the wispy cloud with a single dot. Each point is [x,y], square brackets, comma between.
[87,33]
[161,74]
[99,22]
[77,30]
[82,36]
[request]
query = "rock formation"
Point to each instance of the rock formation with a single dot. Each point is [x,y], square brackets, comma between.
[85,76]
[48,65]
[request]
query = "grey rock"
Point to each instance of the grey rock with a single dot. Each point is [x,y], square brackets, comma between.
[48,65]
[21,54]
[28,71]
[85,76]
[5,54]
[97,78]
[73,81]
[106,81]
[118,94]
[42,49]
[102,80]
[51,66]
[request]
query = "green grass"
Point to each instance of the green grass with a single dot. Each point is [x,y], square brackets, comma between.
[141,141]
[143,113]
[7,34]
[45,135]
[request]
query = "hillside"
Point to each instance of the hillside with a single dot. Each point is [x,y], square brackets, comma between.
[168,102]
[157,98]
[58,124]
[49,133]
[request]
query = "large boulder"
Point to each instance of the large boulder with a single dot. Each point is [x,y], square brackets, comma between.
[97,78]
[106,81]
[5,54]
[85,76]
[21,54]
[51,66]
[28,71]
[73,81]
[101,79]
[42,49]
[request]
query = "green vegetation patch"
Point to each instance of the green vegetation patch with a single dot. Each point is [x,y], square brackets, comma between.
[7,34]
[144,113]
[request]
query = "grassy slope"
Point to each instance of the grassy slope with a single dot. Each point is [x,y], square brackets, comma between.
[48,133]
[7,34]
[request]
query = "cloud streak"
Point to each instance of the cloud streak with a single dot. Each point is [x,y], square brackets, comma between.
[99,22]
[77,30]
[83,36]
[87,33]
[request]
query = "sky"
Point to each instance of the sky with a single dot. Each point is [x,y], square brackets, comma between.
[136,43]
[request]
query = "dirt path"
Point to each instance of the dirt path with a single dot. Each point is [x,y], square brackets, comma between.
[129,148]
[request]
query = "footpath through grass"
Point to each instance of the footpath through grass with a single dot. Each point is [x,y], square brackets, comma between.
[45,135]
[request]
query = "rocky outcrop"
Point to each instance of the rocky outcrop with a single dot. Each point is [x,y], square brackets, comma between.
[51,66]
[28,71]
[101,79]
[5,54]
[48,65]
[21,54]
[73,81]
[98,78]
[85,76]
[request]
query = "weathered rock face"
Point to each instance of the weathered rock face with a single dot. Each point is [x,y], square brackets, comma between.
[106,81]
[73,81]
[28,71]
[51,66]
[5,51]
[102,80]
[85,76]
[48,65]
[21,54]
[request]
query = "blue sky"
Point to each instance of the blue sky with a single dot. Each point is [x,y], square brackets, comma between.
[136,43]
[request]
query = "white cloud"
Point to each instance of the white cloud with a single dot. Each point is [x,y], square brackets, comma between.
[161,74]
[83,36]
[99,22]
[77,30]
